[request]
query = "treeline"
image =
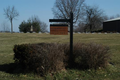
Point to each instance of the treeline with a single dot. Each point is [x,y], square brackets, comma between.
[87,18]
[11,13]
[33,23]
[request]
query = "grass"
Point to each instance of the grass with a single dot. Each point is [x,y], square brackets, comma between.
[8,40]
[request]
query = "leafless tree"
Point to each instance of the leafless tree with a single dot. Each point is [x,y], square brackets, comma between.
[5,27]
[94,18]
[114,16]
[11,14]
[117,15]
[62,9]
[43,25]
[80,27]
[105,17]
[34,18]
[111,17]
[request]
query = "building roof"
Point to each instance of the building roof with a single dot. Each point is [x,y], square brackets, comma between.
[58,24]
[113,19]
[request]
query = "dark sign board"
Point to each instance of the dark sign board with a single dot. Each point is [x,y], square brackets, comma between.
[58,29]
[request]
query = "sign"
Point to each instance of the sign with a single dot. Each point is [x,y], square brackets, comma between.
[59,29]
[71,32]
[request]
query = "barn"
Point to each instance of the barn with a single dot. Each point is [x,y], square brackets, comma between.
[112,25]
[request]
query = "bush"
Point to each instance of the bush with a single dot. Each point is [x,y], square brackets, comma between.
[88,56]
[53,57]
[39,58]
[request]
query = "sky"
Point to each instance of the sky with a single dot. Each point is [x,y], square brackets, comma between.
[43,9]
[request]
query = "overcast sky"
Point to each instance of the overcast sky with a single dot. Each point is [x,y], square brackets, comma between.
[43,9]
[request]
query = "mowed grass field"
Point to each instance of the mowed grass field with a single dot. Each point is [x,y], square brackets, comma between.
[8,40]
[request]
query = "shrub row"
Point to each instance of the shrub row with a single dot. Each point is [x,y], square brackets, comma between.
[52,57]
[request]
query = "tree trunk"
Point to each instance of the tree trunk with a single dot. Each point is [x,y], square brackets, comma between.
[11,26]
[91,28]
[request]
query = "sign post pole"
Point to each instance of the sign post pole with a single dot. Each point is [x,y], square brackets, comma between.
[71,37]
[71,32]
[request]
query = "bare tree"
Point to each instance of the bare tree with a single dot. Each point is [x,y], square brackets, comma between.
[80,27]
[5,27]
[117,15]
[62,9]
[111,17]
[105,17]
[34,18]
[11,13]
[43,25]
[114,16]
[94,18]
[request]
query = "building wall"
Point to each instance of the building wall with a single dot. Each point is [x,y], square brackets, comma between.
[111,26]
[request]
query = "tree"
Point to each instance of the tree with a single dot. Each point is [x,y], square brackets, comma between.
[26,26]
[43,27]
[94,18]
[80,27]
[5,27]
[62,9]
[11,14]
[35,22]
[113,17]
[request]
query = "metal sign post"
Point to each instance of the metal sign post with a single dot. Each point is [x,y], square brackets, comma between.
[71,31]
[71,37]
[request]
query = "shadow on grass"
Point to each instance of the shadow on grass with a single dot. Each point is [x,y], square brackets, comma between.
[11,68]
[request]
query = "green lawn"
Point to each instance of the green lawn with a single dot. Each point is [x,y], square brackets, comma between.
[8,40]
